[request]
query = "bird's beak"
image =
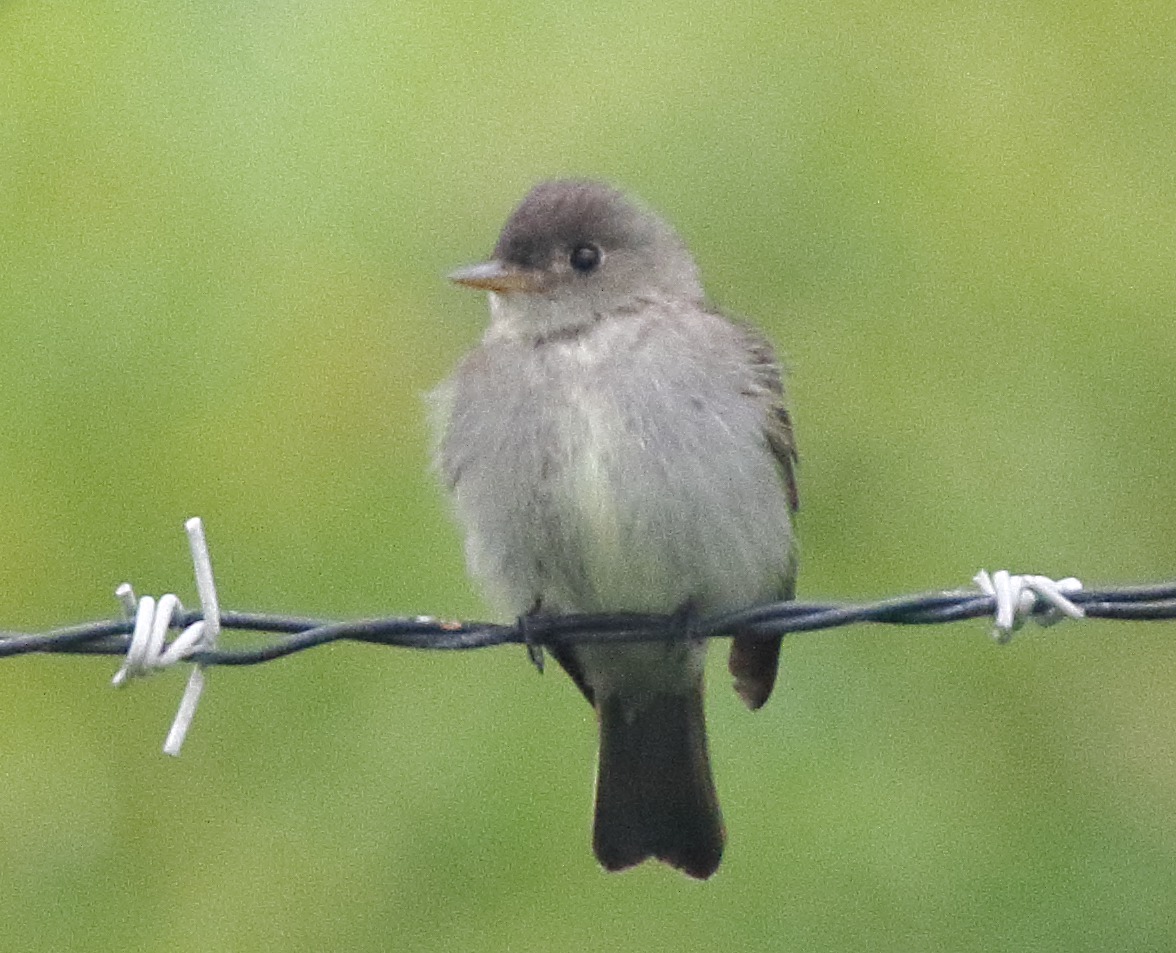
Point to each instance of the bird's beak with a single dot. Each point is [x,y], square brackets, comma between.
[497,276]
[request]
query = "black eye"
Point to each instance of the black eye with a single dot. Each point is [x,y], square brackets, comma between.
[585,258]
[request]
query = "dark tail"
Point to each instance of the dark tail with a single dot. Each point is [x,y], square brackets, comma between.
[654,793]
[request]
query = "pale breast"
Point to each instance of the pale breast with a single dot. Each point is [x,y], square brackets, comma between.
[630,472]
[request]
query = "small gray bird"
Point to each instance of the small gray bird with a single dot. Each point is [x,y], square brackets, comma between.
[615,444]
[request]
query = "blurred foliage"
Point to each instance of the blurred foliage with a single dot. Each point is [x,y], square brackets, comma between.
[223,231]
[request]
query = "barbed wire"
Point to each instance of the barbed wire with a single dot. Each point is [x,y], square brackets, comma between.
[298,633]
[141,634]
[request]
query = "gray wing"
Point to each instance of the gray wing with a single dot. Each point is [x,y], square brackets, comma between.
[769,387]
[754,662]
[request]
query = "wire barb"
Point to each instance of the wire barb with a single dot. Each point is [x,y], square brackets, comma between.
[1019,597]
[149,649]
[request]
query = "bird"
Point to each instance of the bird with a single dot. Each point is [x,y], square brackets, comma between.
[617,444]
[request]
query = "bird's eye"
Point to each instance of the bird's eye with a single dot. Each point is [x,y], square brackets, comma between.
[585,258]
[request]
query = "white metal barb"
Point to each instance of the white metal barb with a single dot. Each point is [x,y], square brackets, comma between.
[199,635]
[183,644]
[1020,596]
[164,610]
[135,662]
[149,649]
[185,713]
[125,594]
[205,586]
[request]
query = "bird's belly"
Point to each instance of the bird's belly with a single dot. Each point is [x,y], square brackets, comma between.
[652,518]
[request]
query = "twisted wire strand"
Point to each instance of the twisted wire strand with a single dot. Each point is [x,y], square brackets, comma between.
[290,634]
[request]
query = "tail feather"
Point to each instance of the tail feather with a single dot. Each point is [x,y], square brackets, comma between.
[655,796]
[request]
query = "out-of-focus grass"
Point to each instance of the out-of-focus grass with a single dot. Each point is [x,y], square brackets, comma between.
[223,231]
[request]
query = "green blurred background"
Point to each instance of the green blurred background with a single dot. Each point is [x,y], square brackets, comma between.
[223,234]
